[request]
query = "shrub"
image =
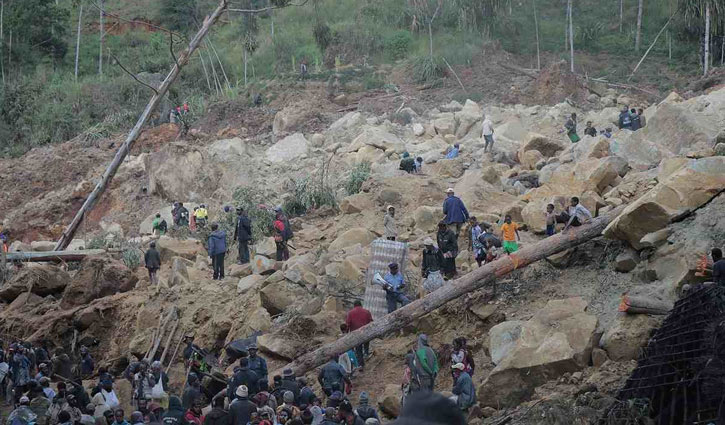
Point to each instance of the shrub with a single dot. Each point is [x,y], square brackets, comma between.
[262,216]
[131,256]
[306,194]
[426,69]
[358,175]
[373,82]
[398,45]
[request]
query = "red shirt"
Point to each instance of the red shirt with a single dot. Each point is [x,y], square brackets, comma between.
[357,318]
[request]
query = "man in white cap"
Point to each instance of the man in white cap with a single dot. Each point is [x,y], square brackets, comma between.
[455,211]
[241,408]
[391,230]
[463,389]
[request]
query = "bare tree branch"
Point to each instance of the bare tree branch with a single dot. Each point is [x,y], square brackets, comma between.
[131,74]
[268,8]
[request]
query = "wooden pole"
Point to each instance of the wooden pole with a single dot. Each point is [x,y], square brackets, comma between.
[54,256]
[78,38]
[650,48]
[125,148]
[176,350]
[168,340]
[477,279]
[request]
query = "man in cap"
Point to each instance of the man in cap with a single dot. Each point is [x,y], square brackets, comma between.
[243,234]
[394,288]
[364,410]
[391,230]
[289,406]
[289,383]
[257,364]
[463,387]
[454,210]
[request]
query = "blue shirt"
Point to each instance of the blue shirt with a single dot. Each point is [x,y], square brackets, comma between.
[395,281]
[454,210]
[453,153]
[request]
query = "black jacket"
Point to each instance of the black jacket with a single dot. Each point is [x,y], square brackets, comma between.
[243,230]
[152,258]
[175,414]
[240,411]
[448,241]
[243,376]
[218,416]
[432,261]
[290,384]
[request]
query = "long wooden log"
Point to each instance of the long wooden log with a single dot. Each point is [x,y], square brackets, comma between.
[125,148]
[55,256]
[452,290]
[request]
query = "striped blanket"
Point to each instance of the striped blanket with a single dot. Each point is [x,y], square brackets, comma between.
[382,253]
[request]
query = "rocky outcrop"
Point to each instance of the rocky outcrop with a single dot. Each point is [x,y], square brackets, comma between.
[97,277]
[686,189]
[288,149]
[41,280]
[185,248]
[624,339]
[351,237]
[558,339]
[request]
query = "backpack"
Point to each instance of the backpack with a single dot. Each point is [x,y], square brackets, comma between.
[163,226]
[407,164]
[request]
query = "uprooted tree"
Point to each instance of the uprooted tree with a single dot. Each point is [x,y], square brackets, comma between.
[477,279]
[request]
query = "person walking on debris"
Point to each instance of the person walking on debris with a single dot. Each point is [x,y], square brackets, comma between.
[454,211]
[87,363]
[217,247]
[332,375]
[510,233]
[476,245]
[487,132]
[159,225]
[431,266]
[464,391]
[570,127]
[426,364]
[589,130]
[182,215]
[391,230]
[152,260]
[394,288]
[575,216]
[625,119]
[243,234]
[283,233]
[356,319]
[201,216]
[448,244]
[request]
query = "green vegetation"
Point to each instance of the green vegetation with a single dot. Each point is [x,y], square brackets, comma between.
[358,176]
[41,101]
[262,216]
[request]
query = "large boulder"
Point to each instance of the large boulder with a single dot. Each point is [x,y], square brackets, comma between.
[185,248]
[228,150]
[533,213]
[42,246]
[356,203]
[263,265]
[180,172]
[389,401]
[445,123]
[426,218]
[640,153]
[278,296]
[469,115]
[351,237]
[41,280]
[290,148]
[249,282]
[451,168]
[680,193]
[179,272]
[266,247]
[378,138]
[278,346]
[624,339]
[546,146]
[557,340]
[290,119]
[97,277]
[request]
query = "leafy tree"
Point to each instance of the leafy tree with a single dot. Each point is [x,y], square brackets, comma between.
[179,15]
[697,11]
[39,26]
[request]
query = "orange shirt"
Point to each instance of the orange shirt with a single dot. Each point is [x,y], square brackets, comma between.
[509,231]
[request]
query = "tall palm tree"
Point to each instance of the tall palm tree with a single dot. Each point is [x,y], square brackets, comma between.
[695,11]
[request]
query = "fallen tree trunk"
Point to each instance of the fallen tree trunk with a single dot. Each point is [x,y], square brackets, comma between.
[55,256]
[452,290]
[125,148]
[644,305]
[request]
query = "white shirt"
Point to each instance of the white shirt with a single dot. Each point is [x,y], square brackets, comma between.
[581,213]
[487,127]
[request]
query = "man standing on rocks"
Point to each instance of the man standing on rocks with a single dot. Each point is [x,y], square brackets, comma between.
[152,259]
[426,363]
[282,235]
[454,211]
[570,127]
[718,267]
[356,319]
[391,230]
[431,266]
[257,364]
[332,375]
[487,132]
[243,234]
[625,119]
[448,244]
[217,247]
[510,233]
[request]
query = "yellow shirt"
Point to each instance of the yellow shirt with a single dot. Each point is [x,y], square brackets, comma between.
[201,213]
[509,231]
